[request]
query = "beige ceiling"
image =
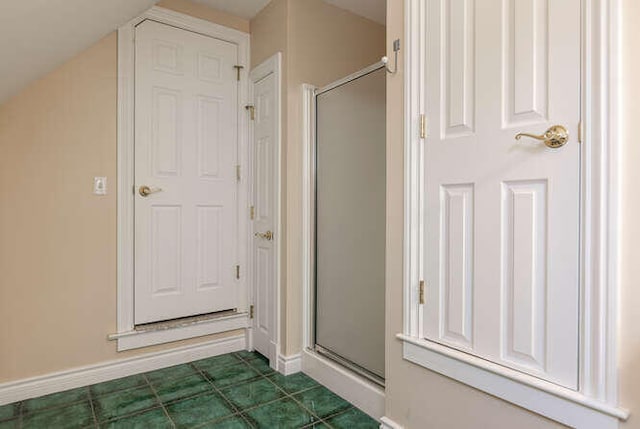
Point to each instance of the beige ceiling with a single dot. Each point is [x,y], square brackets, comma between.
[375,10]
[246,9]
[38,35]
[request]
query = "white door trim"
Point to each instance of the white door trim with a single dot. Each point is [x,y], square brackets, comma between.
[125,218]
[272,65]
[600,220]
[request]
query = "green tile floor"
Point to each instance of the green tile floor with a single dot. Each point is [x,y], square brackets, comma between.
[233,391]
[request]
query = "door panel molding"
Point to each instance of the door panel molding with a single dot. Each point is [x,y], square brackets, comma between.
[267,206]
[600,158]
[166,58]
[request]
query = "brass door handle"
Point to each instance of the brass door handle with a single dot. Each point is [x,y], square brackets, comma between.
[555,137]
[145,190]
[266,235]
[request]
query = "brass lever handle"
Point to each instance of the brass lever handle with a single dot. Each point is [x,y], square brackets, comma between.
[266,235]
[555,137]
[145,190]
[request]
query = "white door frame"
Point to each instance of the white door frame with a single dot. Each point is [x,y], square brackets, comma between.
[127,336]
[272,65]
[595,404]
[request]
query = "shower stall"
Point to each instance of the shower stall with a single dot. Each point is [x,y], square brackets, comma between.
[349,216]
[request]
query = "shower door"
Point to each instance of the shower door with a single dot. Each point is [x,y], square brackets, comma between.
[350,222]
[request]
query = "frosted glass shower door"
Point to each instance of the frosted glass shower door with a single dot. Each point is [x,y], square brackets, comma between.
[350,221]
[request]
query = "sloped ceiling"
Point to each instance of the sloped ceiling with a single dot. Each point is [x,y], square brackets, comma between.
[38,35]
[375,10]
[246,9]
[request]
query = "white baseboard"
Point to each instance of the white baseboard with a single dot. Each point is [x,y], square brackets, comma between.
[288,365]
[364,394]
[84,376]
[387,423]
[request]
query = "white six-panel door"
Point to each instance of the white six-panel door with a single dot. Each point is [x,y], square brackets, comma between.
[501,216]
[265,122]
[186,96]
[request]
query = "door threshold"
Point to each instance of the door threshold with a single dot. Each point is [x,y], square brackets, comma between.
[184,321]
[180,329]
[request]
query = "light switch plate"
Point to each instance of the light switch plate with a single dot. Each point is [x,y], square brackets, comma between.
[100,186]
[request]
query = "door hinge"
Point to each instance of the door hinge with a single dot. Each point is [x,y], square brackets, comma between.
[237,271]
[238,176]
[238,68]
[252,111]
[252,212]
[580,132]
[423,126]
[251,311]
[421,292]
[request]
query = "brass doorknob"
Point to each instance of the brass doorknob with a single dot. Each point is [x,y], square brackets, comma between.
[266,235]
[555,137]
[145,190]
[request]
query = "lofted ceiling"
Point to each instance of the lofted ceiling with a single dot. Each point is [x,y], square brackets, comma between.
[246,9]
[38,35]
[375,10]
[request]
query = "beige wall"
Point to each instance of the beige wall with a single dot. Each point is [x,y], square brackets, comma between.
[418,398]
[630,261]
[321,43]
[57,240]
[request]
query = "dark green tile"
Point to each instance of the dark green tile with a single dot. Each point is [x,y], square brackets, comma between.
[155,418]
[217,361]
[177,371]
[353,419]
[78,415]
[293,383]
[118,404]
[201,409]
[231,375]
[178,388]
[233,422]
[9,424]
[261,365]
[119,384]
[56,400]
[282,414]
[8,411]
[253,393]
[322,402]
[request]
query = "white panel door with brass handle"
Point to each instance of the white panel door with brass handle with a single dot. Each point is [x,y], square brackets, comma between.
[264,211]
[185,173]
[501,191]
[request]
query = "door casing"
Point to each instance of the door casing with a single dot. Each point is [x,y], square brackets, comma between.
[127,336]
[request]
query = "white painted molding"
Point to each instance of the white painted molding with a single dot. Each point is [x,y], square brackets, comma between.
[272,65]
[551,400]
[137,339]
[84,376]
[125,216]
[387,423]
[360,392]
[288,365]
[308,186]
[599,230]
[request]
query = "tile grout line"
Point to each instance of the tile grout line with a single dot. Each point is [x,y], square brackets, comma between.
[237,410]
[164,409]
[290,395]
[93,410]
